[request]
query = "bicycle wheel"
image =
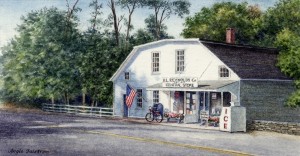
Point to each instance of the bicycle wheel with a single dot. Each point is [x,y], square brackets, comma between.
[158,118]
[149,117]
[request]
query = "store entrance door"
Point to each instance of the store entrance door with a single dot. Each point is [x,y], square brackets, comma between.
[203,101]
[125,106]
[191,103]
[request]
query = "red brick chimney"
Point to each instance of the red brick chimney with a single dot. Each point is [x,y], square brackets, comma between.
[230,35]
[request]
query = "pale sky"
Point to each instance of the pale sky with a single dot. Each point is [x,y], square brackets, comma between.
[12,10]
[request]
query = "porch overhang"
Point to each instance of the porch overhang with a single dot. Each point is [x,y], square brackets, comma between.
[208,85]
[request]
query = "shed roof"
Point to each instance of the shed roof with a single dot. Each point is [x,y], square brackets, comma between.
[248,62]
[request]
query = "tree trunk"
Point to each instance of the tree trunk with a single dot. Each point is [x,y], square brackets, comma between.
[65,97]
[128,26]
[83,98]
[130,11]
[92,104]
[116,27]
[52,99]
[68,99]
[156,24]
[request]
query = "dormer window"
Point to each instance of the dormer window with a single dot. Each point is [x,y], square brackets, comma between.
[126,75]
[223,72]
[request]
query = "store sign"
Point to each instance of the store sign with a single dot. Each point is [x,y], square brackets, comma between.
[176,82]
[225,123]
[225,119]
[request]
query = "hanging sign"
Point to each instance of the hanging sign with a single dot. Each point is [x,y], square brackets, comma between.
[176,82]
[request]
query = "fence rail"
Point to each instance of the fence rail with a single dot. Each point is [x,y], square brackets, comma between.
[82,110]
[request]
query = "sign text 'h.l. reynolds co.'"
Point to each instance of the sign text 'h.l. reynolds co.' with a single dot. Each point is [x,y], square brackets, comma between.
[180,82]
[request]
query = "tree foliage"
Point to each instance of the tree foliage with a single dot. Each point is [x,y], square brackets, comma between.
[284,15]
[281,26]
[211,23]
[289,60]
[131,6]
[150,27]
[163,9]
[51,59]
[41,61]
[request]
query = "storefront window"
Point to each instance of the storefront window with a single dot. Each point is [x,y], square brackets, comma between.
[190,102]
[178,101]
[215,103]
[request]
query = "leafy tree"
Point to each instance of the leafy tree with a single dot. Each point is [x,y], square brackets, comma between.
[116,20]
[150,27]
[284,15]
[99,59]
[211,23]
[41,62]
[141,37]
[289,60]
[280,26]
[130,5]
[163,9]
[95,20]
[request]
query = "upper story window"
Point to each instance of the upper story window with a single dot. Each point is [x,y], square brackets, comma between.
[155,62]
[155,96]
[139,98]
[223,72]
[126,75]
[180,61]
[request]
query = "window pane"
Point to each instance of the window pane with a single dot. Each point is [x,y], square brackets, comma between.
[224,72]
[139,97]
[126,75]
[155,62]
[180,60]
[155,97]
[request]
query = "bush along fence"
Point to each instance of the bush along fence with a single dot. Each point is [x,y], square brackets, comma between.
[279,127]
[80,110]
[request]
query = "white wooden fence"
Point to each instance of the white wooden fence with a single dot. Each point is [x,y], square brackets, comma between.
[82,110]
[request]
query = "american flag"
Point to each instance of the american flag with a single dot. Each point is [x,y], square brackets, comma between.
[130,93]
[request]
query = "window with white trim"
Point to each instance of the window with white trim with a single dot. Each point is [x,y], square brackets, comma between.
[139,98]
[126,75]
[180,60]
[223,72]
[155,62]
[155,96]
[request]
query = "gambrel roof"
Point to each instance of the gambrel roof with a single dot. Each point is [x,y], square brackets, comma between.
[248,62]
[149,45]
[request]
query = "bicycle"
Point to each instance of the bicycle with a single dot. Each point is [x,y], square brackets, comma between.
[154,114]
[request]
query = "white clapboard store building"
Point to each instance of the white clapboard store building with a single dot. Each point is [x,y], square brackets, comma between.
[191,76]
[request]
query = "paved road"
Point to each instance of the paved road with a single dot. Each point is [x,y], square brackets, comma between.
[38,133]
